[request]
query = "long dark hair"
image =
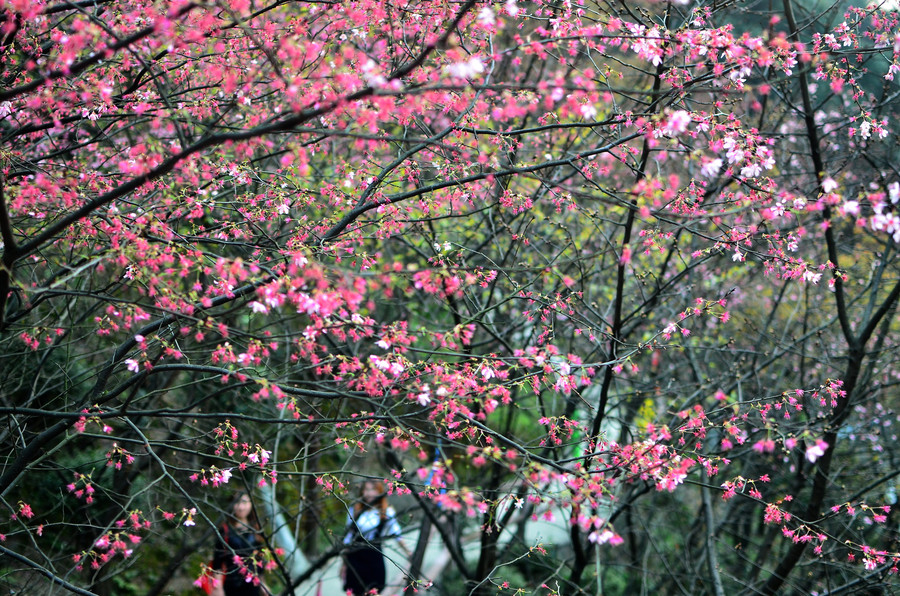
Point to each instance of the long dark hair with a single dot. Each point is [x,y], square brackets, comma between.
[381,503]
[252,518]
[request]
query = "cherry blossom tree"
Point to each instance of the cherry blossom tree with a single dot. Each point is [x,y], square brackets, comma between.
[627,270]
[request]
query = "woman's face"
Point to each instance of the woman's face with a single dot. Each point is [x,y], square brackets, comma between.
[242,507]
[371,492]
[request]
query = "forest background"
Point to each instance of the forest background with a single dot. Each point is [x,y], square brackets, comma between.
[630,268]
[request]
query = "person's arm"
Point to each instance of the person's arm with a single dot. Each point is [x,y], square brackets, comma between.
[218,585]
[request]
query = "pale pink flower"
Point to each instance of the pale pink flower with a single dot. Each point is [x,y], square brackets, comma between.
[465,70]
[677,122]
[751,170]
[815,451]
[711,168]
[486,17]
[851,208]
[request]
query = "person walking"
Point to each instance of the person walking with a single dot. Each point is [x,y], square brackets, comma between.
[235,558]
[370,521]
